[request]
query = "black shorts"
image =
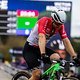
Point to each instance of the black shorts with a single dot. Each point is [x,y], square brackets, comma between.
[31,55]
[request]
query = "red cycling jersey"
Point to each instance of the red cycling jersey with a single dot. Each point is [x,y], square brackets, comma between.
[44,25]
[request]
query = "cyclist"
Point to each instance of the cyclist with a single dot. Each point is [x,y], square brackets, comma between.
[35,46]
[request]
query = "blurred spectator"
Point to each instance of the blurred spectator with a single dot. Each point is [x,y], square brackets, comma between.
[62,53]
[1,57]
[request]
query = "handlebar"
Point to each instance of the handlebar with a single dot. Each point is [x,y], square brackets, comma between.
[64,62]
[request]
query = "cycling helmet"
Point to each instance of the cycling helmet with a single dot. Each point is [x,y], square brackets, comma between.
[59,16]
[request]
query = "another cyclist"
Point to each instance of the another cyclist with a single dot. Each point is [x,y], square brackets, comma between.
[46,27]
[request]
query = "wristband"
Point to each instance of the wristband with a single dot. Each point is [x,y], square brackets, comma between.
[43,54]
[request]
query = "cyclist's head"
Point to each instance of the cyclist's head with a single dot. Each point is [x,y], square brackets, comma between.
[59,16]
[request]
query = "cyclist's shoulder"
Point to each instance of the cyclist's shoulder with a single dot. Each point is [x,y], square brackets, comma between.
[45,18]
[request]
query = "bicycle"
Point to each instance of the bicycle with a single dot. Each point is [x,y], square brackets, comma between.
[55,72]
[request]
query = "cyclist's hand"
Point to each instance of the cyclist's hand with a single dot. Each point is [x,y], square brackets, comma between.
[77,61]
[45,58]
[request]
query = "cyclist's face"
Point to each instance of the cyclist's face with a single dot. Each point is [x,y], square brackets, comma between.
[56,24]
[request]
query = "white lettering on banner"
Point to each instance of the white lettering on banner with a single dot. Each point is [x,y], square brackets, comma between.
[27,13]
[59,5]
[4,4]
[17,52]
[51,8]
[63,6]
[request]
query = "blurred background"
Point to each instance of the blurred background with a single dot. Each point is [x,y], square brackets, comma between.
[18,17]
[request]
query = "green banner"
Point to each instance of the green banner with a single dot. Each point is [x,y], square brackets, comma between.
[26,22]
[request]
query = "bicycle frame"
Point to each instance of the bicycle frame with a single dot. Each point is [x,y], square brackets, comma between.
[51,71]
[49,74]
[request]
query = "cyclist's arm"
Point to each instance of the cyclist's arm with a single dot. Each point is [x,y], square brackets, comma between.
[66,41]
[42,42]
[41,32]
[69,47]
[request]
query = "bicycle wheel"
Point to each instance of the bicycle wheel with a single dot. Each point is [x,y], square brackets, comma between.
[70,78]
[21,76]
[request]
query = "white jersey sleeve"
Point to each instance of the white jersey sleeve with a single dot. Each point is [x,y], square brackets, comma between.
[33,37]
